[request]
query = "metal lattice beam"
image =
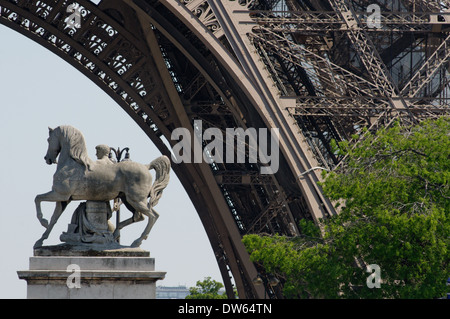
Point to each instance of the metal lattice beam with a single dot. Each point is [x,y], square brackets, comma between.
[313,69]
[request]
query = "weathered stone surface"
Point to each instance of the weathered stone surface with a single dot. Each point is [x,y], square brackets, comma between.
[91,264]
[116,274]
[77,177]
[90,225]
[90,250]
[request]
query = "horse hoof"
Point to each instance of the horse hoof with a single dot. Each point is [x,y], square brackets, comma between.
[44,223]
[38,244]
[136,244]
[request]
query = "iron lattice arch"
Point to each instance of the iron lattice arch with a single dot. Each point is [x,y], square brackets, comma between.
[316,70]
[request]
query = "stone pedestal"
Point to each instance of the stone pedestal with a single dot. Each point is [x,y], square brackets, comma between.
[90,225]
[77,272]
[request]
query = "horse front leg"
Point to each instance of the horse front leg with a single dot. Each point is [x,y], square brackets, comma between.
[61,204]
[40,216]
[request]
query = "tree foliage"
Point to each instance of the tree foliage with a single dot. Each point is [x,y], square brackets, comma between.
[206,289]
[393,190]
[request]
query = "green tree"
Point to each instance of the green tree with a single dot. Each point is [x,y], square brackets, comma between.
[206,289]
[393,190]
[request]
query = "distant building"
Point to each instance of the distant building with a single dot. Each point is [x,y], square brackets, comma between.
[179,292]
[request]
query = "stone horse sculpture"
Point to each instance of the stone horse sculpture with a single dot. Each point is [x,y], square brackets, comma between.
[77,177]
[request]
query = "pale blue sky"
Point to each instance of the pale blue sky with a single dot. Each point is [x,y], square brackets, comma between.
[37,90]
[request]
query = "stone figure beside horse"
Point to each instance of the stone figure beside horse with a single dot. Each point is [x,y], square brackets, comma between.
[77,177]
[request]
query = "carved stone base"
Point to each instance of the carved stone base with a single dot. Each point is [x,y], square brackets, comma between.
[90,225]
[79,272]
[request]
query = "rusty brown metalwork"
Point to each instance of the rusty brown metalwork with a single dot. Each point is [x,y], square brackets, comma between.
[313,69]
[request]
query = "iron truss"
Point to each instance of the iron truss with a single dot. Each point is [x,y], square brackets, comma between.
[316,70]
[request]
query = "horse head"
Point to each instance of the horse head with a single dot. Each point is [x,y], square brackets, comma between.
[54,147]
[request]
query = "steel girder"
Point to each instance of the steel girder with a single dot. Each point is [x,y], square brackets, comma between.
[360,73]
[313,70]
[119,49]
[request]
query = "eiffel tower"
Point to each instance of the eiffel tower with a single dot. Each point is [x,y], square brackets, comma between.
[317,70]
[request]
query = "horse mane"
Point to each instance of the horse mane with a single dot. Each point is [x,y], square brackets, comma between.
[77,145]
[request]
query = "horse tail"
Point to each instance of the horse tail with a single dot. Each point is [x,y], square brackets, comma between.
[162,167]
